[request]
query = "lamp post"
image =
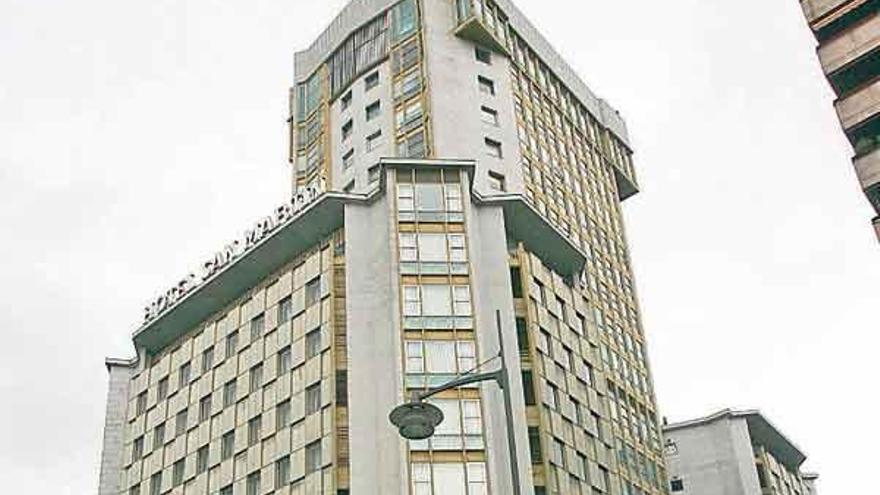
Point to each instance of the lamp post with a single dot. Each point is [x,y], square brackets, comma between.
[417,419]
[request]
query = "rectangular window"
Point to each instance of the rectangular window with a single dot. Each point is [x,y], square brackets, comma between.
[493,148]
[282,472]
[373,140]
[185,372]
[497,182]
[516,282]
[409,116]
[205,408]
[374,174]
[255,429]
[313,291]
[437,300]
[677,485]
[487,86]
[135,490]
[156,484]
[346,100]
[489,115]
[227,445]
[284,361]
[408,86]
[282,415]
[180,423]
[483,55]
[140,403]
[229,393]
[412,146]
[137,448]
[207,359]
[202,460]
[256,378]
[347,129]
[285,310]
[313,343]
[313,457]
[371,81]
[177,473]
[373,110]
[231,344]
[348,159]
[253,484]
[258,324]
[522,336]
[158,435]
[403,20]
[163,389]
[226,490]
[313,399]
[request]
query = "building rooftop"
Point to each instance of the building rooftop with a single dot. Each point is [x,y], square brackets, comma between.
[761,430]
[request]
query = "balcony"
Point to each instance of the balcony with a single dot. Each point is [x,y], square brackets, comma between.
[482,24]
[859,106]
[847,47]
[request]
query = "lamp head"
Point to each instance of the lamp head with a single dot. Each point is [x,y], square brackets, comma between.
[416,420]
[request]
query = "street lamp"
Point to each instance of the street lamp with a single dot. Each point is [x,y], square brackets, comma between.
[417,419]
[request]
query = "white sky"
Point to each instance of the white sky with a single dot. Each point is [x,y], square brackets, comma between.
[137,137]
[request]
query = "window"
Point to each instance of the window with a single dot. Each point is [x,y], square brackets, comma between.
[487,86]
[412,146]
[409,116]
[256,378]
[462,426]
[137,448]
[497,182]
[207,359]
[313,291]
[558,454]
[156,483]
[227,445]
[408,86]
[282,472]
[205,408]
[453,478]
[226,490]
[258,324]
[403,20]
[284,361]
[313,343]
[255,427]
[135,490]
[373,174]
[489,115]
[677,485]
[140,403]
[371,81]
[313,457]
[163,389]
[253,483]
[346,100]
[405,57]
[483,55]
[313,399]
[493,148]
[185,372]
[229,393]
[432,362]
[437,300]
[282,415]
[177,473]
[373,110]
[373,140]
[158,435]
[180,423]
[202,460]
[347,129]
[231,344]
[285,310]
[348,159]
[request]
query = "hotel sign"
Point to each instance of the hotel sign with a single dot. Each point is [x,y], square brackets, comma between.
[223,258]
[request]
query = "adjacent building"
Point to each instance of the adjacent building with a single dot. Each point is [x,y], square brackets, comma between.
[848,32]
[734,453]
[446,164]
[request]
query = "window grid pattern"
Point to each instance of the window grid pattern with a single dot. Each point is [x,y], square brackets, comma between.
[226,422]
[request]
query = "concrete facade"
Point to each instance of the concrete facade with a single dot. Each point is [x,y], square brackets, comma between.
[734,453]
[494,184]
[848,32]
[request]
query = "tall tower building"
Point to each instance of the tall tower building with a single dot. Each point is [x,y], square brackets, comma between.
[848,32]
[447,165]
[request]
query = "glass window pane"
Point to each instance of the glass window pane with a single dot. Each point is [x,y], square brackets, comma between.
[432,247]
[440,357]
[436,300]
[429,197]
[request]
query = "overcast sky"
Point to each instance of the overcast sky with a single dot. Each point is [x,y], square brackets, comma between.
[138,137]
